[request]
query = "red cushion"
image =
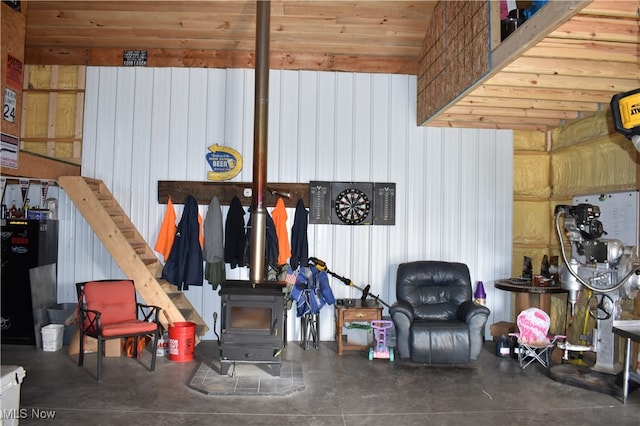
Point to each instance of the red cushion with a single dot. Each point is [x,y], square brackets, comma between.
[128,328]
[115,300]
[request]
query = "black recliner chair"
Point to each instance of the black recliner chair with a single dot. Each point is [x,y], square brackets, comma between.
[436,321]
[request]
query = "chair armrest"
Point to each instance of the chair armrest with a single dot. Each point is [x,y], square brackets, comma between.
[150,313]
[89,319]
[471,312]
[476,317]
[402,315]
[402,307]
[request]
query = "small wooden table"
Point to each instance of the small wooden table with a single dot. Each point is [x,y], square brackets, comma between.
[630,330]
[367,310]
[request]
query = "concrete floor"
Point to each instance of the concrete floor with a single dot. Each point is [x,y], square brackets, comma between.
[339,390]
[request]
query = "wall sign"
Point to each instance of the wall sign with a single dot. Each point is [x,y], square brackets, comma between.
[9,147]
[9,105]
[134,58]
[225,162]
[14,72]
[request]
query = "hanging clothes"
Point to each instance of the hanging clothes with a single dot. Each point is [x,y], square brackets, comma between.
[167,231]
[279,215]
[213,252]
[234,234]
[299,240]
[270,243]
[184,265]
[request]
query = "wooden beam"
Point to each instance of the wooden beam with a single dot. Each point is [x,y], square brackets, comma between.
[203,192]
[39,167]
[226,59]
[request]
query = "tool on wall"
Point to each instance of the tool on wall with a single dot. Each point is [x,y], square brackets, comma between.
[366,291]
[625,109]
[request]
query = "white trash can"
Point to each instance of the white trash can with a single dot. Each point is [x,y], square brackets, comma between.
[52,335]
[12,376]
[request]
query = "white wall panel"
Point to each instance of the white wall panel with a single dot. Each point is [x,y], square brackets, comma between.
[454,191]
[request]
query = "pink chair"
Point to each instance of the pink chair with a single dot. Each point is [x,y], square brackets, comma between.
[534,339]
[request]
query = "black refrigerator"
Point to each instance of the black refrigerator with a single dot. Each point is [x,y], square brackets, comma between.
[26,244]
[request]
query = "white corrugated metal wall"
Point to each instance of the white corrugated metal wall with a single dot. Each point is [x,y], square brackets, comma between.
[454,186]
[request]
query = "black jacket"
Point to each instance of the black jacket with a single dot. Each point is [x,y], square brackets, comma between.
[184,266]
[299,241]
[234,234]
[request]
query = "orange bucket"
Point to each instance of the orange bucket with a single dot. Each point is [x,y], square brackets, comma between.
[182,336]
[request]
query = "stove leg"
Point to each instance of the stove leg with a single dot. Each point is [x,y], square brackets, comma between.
[224,367]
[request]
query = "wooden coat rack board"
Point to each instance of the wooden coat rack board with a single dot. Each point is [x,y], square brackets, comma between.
[203,192]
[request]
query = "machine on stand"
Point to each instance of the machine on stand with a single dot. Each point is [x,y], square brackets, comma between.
[610,271]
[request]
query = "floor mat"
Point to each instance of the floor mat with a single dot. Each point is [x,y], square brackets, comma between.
[246,379]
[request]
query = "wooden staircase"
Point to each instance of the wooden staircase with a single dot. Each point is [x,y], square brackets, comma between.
[130,251]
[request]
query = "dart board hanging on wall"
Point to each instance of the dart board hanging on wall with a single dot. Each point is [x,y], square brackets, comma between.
[352,206]
[352,203]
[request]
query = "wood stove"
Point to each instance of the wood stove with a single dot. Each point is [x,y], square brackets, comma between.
[252,324]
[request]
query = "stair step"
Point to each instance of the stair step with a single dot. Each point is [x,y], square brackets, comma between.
[148,261]
[187,313]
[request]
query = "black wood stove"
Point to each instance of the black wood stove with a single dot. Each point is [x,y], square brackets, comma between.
[252,324]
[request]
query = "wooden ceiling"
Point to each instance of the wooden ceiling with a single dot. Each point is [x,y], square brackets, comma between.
[555,75]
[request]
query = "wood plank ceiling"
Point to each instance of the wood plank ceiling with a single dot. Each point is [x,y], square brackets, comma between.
[569,71]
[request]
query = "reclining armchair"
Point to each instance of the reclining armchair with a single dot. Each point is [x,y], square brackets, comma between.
[435,318]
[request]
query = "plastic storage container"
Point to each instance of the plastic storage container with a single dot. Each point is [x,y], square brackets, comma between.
[52,337]
[359,334]
[12,376]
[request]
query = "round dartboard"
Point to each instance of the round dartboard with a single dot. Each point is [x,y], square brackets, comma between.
[352,206]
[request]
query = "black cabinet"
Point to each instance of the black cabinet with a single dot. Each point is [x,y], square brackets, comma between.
[26,244]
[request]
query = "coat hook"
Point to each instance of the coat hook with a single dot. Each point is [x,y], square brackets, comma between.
[280,193]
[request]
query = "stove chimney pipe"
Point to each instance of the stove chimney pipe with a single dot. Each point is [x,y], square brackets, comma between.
[260,135]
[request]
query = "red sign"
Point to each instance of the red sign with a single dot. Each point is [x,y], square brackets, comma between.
[14,72]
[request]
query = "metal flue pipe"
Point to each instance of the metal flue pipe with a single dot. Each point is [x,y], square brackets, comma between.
[260,136]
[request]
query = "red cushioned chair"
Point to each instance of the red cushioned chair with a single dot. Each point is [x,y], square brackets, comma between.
[108,309]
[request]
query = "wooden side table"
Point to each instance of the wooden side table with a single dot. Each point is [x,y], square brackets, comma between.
[367,310]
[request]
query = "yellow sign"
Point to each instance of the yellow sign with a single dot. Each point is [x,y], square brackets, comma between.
[225,162]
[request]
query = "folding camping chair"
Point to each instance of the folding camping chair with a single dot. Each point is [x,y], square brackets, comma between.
[311,292]
[536,344]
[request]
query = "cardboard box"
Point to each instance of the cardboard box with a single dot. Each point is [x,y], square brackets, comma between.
[112,347]
[502,327]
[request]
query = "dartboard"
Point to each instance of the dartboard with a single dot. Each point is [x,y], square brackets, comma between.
[352,206]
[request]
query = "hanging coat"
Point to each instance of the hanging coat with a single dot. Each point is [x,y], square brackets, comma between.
[167,231]
[279,215]
[213,252]
[234,234]
[184,266]
[299,241]
[270,243]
